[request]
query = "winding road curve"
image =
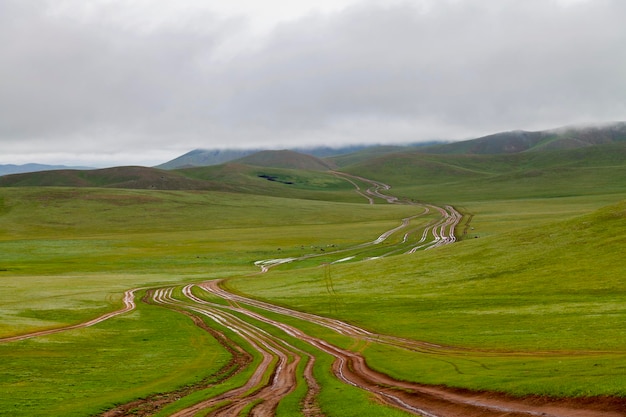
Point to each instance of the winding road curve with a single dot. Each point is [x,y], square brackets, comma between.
[274,376]
[280,359]
[421,399]
[442,229]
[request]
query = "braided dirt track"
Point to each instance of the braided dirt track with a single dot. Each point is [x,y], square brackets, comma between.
[276,373]
[437,232]
[423,400]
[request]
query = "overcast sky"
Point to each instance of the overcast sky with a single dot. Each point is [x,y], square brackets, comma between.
[116,82]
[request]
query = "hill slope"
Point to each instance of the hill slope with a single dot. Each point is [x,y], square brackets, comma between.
[278,182]
[118,177]
[286,159]
[21,169]
[210,157]
[231,177]
[569,137]
[206,157]
[469,177]
[445,178]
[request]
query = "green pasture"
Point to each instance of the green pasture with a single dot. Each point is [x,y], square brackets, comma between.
[57,212]
[67,255]
[457,179]
[52,275]
[530,301]
[85,371]
[555,274]
[551,375]
[557,288]
[279,182]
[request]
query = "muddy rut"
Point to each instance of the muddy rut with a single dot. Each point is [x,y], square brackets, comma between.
[276,370]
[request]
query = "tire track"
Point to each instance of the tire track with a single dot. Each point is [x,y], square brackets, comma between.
[274,377]
[351,368]
[129,304]
[442,229]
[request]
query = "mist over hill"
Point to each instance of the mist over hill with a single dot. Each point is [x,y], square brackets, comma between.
[568,137]
[511,142]
[206,157]
[209,157]
[286,159]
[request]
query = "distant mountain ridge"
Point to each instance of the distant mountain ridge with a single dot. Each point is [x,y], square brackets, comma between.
[20,169]
[598,167]
[568,137]
[209,157]
[324,158]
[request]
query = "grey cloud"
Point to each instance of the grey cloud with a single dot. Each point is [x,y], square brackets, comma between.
[368,73]
[65,76]
[466,64]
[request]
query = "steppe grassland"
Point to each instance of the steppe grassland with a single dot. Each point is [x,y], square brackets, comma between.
[181,236]
[83,248]
[552,294]
[335,397]
[485,280]
[67,255]
[82,372]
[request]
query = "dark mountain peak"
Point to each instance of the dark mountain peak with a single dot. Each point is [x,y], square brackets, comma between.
[206,157]
[286,159]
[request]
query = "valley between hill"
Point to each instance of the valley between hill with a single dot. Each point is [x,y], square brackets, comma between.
[479,285]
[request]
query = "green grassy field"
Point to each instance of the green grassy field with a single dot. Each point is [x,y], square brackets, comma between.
[67,255]
[77,248]
[85,371]
[502,294]
[530,301]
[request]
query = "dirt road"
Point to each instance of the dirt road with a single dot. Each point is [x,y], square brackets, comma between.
[441,229]
[423,400]
[129,304]
[276,372]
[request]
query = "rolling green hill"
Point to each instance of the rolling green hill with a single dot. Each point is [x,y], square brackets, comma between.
[367,153]
[286,159]
[591,170]
[569,137]
[233,177]
[316,185]
[119,177]
[208,157]
[597,169]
